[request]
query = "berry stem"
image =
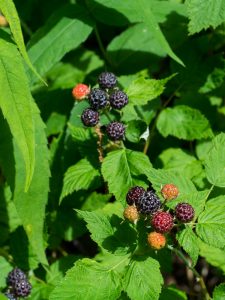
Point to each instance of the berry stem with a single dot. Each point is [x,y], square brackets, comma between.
[101,47]
[99,143]
[200,279]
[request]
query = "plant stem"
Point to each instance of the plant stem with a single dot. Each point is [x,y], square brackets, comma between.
[200,279]
[101,46]
[99,143]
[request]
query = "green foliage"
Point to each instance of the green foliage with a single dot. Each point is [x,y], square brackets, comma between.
[219,292]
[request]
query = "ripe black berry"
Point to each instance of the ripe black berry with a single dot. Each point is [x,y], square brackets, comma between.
[10,296]
[97,98]
[15,276]
[162,221]
[115,131]
[148,203]
[22,288]
[118,99]
[90,117]
[107,80]
[184,212]
[134,194]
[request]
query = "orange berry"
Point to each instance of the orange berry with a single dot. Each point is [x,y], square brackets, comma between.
[169,191]
[80,91]
[3,21]
[156,240]
[130,213]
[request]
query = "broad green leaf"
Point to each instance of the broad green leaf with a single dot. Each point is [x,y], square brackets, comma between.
[189,242]
[134,130]
[9,10]
[123,169]
[88,280]
[172,293]
[64,31]
[142,90]
[219,292]
[31,205]
[203,14]
[215,161]
[213,255]
[211,223]
[2,297]
[95,201]
[109,232]
[184,122]
[5,268]
[79,176]
[15,103]
[143,279]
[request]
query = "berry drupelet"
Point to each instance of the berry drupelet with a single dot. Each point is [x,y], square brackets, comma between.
[169,191]
[115,131]
[162,221]
[148,203]
[80,91]
[134,194]
[184,212]
[107,80]
[90,117]
[22,288]
[10,296]
[156,240]
[97,98]
[15,276]
[118,99]
[130,213]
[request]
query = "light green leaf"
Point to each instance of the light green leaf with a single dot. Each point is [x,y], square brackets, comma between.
[211,223]
[88,280]
[64,31]
[215,161]
[122,169]
[31,205]
[15,103]
[219,292]
[5,268]
[79,176]
[203,14]
[183,122]
[189,242]
[143,279]
[9,10]
[142,90]
[109,232]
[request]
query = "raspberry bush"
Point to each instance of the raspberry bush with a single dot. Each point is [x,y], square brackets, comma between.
[112,165]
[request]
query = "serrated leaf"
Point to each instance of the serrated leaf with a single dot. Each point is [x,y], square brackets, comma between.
[15,103]
[5,269]
[189,242]
[88,280]
[183,122]
[123,169]
[219,292]
[65,30]
[203,14]
[9,10]
[215,161]
[143,279]
[79,176]
[211,223]
[142,90]
[109,232]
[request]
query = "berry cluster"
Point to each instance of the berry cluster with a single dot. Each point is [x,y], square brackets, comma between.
[18,284]
[147,203]
[106,96]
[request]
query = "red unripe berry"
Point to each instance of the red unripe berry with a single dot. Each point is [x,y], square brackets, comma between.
[130,213]
[169,191]
[80,91]
[162,221]
[156,240]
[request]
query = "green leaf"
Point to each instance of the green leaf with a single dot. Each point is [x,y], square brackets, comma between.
[219,292]
[142,90]
[64,31]
[5,269]
[31,205]
[79,176]
[95,201]
[172,293]
[143,279]
[203,14]
[215,161]
[183,122]
[15,102]
[109,232]
[134,130]
[211,223]
[189,242]
[123,169]
[88,279]
[9,10]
